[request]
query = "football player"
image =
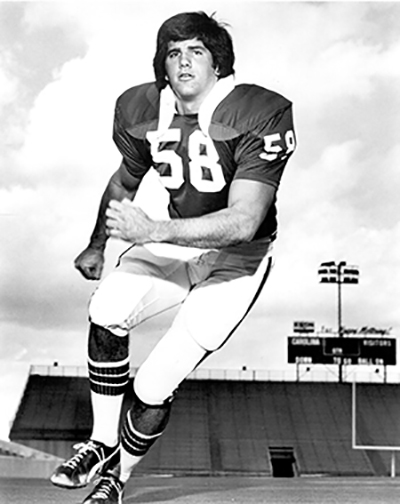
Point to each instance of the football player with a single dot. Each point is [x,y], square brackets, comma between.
[220,150]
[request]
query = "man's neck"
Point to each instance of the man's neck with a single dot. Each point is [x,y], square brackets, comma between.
[188,107]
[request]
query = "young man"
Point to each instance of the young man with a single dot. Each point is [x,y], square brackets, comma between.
[220,151]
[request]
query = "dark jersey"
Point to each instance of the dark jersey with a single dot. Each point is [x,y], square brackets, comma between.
[249,136]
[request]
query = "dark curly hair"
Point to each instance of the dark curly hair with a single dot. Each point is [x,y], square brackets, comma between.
[190,25]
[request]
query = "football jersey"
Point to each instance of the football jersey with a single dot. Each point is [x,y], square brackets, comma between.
[241,132]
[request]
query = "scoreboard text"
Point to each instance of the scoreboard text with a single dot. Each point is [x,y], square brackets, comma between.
[335,350]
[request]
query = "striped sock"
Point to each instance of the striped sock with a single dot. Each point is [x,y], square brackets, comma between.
[109,378]
[108,382]
[134,446]
[134,442]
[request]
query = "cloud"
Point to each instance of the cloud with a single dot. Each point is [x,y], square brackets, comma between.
[36,259]
[8,84]
[64,16]
[9,91]
[330,51]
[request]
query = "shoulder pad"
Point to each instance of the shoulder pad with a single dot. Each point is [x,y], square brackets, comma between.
[138,107]
[247,106]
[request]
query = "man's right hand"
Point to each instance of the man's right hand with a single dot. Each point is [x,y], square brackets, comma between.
[90,263]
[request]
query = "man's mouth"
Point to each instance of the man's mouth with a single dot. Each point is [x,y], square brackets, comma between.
[185,76]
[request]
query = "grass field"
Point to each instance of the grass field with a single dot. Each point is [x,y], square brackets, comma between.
[218,490]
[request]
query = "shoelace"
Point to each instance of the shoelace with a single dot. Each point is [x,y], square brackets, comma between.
[105,487]
[83,449]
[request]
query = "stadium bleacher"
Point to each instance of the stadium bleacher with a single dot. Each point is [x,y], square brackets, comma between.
[230,426]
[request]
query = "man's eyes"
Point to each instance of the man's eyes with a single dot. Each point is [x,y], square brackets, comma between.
[196,52]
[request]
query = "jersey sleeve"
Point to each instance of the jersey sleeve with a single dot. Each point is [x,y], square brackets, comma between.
[263,151]
[133,150]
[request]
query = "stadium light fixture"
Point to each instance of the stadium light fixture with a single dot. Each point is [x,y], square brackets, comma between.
[338,273]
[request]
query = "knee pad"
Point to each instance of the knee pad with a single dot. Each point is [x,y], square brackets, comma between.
[104,346]
[116,302]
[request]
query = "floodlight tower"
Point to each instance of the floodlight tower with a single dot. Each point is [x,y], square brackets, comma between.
[338,273]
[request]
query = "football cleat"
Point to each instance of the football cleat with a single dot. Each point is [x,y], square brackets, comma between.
[108,490]
[92,458]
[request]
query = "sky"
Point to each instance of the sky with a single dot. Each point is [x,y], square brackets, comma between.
[62,66]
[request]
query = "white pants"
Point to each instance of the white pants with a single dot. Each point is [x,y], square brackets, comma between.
[215,288]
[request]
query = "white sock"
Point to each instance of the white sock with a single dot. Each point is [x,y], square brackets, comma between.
[106,414]
[128,462]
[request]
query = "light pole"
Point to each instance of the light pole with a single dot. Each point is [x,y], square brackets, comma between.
[339,273]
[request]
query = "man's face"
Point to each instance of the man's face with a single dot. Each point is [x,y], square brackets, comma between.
[189,68]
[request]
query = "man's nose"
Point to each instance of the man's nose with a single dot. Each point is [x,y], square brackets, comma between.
[185,61]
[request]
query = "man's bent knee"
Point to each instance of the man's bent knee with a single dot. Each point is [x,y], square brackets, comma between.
[115,303]
[151,391]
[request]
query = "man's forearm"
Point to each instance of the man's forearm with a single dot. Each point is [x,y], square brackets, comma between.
[238,223]
[216,230]
[99,235]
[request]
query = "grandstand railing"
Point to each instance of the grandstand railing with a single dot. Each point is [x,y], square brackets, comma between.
[374,375]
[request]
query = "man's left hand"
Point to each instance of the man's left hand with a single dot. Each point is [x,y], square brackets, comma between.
[128,222]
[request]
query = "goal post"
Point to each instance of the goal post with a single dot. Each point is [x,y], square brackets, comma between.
[355,446]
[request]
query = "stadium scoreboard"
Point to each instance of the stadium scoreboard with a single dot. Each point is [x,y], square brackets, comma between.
[341,350]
